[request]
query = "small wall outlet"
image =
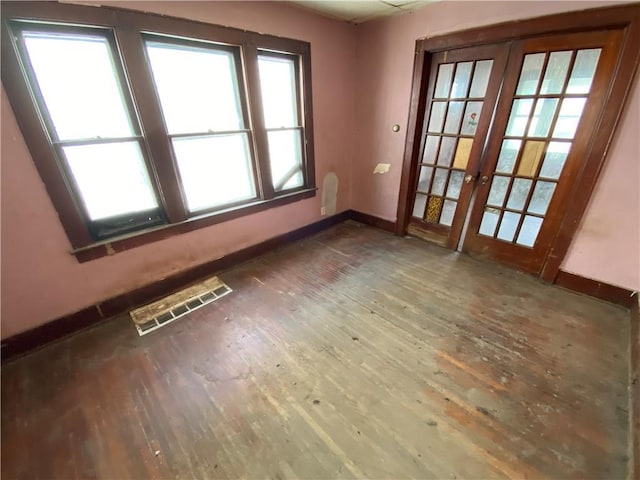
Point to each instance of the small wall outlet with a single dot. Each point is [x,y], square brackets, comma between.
[323,211]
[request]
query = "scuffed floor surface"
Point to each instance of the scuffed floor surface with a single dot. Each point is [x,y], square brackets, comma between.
[351,354]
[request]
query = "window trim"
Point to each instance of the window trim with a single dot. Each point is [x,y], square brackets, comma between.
[128,29]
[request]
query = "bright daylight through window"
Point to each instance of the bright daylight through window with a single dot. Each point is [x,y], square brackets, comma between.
[198,90]
[90,122]
[278,86]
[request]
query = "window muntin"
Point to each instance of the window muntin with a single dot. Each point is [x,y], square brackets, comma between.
[89,123]
[200,100]
[279,92]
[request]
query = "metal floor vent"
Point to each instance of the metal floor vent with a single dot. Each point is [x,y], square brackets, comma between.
[168,309]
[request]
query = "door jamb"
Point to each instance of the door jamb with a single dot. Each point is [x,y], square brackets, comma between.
[625,18]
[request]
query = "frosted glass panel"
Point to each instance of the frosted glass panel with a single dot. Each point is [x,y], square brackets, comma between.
[471,118]
[570,113]
[508,226]
[439,181]
[583,71]
[518,195]
[455,184]
[499,187]
[77,79]
[481,79]
[437,116]
[430,149]
[198,88]
[519,117]
[443,84]
[542,117]
[425,178]
[541,197]
[529,231]
[112,178]
[448,211]
[419,206]
[489,222]
[454,115]
[446,151]
[508,155]
[556,73]
[214,170]
[461,80]
[554,159]
[278,89]
[530,74]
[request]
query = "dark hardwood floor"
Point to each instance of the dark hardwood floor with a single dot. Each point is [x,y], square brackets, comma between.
[350,354]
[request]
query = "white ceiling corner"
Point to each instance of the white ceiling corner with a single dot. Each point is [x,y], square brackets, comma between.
[360,11]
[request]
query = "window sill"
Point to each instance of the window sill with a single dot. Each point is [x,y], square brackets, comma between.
[126,242]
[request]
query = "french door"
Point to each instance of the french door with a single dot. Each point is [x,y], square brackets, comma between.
[462,92]
[509,186]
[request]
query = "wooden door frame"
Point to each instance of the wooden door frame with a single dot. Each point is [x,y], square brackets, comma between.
[625,18]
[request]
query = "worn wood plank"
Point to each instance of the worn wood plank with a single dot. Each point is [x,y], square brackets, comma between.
[353,353]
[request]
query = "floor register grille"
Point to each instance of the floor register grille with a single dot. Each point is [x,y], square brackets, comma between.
[169,309]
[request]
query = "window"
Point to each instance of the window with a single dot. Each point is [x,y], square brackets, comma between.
[200,99]
[139,123]
[279,91]
[90,126]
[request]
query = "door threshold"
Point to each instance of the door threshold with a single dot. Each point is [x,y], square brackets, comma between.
[427,235]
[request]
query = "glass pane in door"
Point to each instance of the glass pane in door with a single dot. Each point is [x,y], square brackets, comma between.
[552,91]
[452,119]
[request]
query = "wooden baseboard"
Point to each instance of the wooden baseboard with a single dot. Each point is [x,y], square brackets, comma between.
[603,291]
[373,221]
[634,392]
[24,342]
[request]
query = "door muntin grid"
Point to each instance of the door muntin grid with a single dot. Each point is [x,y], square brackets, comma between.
[453,115]
[550,97]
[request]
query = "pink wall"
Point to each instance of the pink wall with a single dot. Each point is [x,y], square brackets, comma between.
[42,281]
[606,247]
